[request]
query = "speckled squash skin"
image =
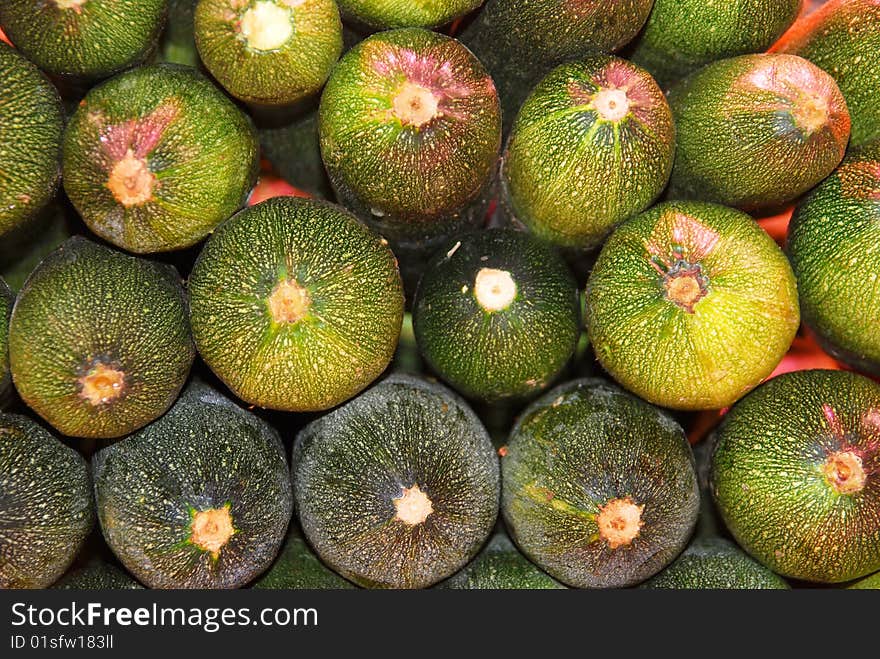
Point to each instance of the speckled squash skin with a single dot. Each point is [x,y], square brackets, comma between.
[771,482]
[31,123]
[572,452]
[493,353]
[384,14]
[46,507]
[756,131]
[715,564]
[868,583]
[97,575]
[344,338]
[7,299]
[86,308]
[592,145]
[192,154]
[260,68]
[520,41]
[843,38]
[205,454]
[350,467]
[832,244]
[690,305]
[90,39]
[415,183]
[500,566]
[297,568]
[683,35]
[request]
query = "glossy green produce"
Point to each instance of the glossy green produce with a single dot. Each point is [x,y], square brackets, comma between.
[297,568]
[199,499]
[868,583]
[7,299]
[496,314]
[97,575]
[399,487]
[410,130]
[31,123]
[45,504]
[157,157]
[269,52]
[832,241]
[99,342]
[500,566]
[715,564]
[87,39]
[843,38]
[520,41]
[599,487]
[295,304]
[690,305]
[683,35]
[756,131]
[592,145]
[384,14]
[795,475]
[178,43]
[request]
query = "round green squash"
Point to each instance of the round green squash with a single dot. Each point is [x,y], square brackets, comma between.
[496,314]
[795,477]
[843,38]
[297,568]
[715,564]
[157,157]
[269,52]
[832,244]
[46,508]
[31,123]
[97,575]
[7,299]
[201,498]
[99,342]
[690,305]
[500,566]
[756,131]
[868,583]
[599,487]
[384,14]
[592,145]
[683,35]
[397,488]
[410,130]
[520,41]
[87,39]
[296,305]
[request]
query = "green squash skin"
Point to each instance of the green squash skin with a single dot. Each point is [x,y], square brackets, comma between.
[683,35]
[500,566]
[294,149]
[350,465]
[97,575]
[7,299]
[415,185]
[715,564]
[205,453]
[843,38]
[738,139]
[279,76]
[31,124]
[569,174]
[509,353]
[297,568]
[90,41]
[349,332]
[46,507]
[520,41]
[178,42]
[385,14]
[709,355]
[87,305]
[769,483]
[200,149]
[832,242]
[868,583]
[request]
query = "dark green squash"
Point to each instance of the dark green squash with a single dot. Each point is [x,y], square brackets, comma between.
[384,14]
[297,568]
[599,487]
[97,575]
[397,488]
[7,299]
[178,42]
[46,508]
[200,498]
